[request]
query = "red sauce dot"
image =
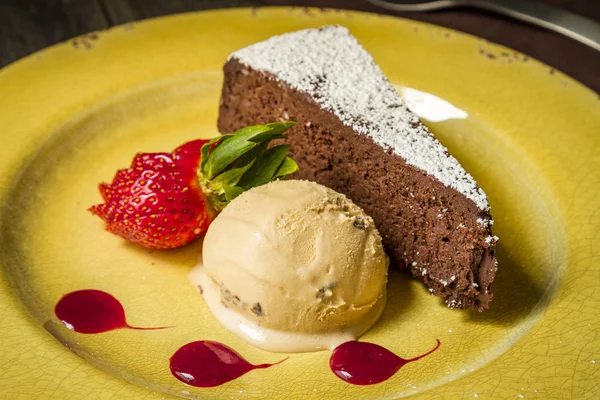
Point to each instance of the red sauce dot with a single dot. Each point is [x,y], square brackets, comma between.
[92,311]
[206,363]
[362,363]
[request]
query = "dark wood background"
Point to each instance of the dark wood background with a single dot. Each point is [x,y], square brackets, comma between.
[30,25]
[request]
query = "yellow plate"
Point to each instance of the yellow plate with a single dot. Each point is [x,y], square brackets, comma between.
[73,114]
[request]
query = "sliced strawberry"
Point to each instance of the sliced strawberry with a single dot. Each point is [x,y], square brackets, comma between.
[165,200]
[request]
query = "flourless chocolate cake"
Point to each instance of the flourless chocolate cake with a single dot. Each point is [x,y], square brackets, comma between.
[357,136]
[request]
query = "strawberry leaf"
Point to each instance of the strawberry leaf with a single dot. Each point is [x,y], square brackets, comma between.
[265,168]
[237,162]
[231,177]
[275,132]
[252,155]
[224,154]
[206,148]
[231,192]
[287,167]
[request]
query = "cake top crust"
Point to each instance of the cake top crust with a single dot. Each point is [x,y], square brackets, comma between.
[331,66]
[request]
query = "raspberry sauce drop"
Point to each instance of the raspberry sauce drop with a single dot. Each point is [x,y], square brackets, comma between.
[207,363]
[92,311]
[362,363]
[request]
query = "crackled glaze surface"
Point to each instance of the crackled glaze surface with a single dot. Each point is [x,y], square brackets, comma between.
[71,116]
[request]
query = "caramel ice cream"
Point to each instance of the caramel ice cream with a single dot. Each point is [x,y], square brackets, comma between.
[293,266]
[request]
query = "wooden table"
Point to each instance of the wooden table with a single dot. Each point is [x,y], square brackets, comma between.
[30,25]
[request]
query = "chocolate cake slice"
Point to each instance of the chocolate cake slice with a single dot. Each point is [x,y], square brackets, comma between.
[357,136]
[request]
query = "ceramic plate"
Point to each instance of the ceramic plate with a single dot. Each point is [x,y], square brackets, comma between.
[73,114]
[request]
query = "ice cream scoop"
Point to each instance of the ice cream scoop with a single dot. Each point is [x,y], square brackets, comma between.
[293,266]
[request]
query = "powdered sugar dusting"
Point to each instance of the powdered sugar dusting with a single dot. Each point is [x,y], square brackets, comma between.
[486,223]
[491,240]
[331,66]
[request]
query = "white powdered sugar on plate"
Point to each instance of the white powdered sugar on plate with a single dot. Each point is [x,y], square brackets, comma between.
[331,66]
